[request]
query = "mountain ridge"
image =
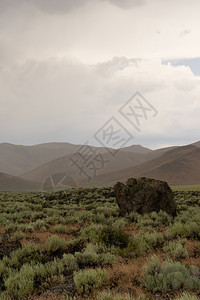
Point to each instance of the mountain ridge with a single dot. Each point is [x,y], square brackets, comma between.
[175,164]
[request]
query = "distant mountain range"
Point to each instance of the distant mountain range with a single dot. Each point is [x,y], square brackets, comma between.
[30,168]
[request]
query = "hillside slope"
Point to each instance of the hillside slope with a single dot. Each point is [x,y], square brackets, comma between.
[178,166]
[15,184]
[123,159]
[18,159]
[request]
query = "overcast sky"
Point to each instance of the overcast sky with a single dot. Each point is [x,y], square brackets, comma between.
[68,66]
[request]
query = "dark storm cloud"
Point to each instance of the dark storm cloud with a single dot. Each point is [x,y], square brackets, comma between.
[48,6]
[7,4]
[63,6]
[58,6]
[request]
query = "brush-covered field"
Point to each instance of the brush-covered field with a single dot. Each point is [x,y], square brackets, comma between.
[74,245]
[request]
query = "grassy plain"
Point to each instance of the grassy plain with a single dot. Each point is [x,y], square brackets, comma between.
[186,188]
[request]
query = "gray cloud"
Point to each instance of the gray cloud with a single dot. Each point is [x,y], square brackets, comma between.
[47,6]
[63,6]
[126,4]
[8,4]
[58,80]
[58,6]
[65,100]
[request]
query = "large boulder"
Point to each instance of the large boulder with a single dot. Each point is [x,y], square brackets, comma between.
[144,195]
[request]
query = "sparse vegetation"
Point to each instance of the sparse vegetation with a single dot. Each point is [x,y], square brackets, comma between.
[75,243]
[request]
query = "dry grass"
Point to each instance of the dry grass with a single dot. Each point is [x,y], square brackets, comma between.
[125,277]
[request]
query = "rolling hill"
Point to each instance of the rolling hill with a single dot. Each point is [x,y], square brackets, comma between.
[15,184]
[18,159]
[122,160]
[179,166]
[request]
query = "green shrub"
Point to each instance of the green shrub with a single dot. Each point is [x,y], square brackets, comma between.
[40,225]
[176,250]
[152,219]
[30,253]
[107,211]
[141,243]
[91,232]
[69,262]
[93,256]
[70,220]
[20,285]
[10,228]
[84,216]
[88,280]
[59,229]
[190,214]
[3,274]
[189,230]
[170,276]
[113,237]
[55,243]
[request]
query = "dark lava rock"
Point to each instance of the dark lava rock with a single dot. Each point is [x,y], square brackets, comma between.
[144,195]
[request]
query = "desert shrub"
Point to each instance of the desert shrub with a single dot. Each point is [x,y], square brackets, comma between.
[176,250]
[189,214]
[52,219]
[70,220]
[113,237]
[118,223]
[4,296]
[170,276]
[91,232]
[187,296]
[141,243]
[100,218]
[58,229]
[3,274]
[30,253]
[154,219]
[40,225]
[190,230]
[93,256]
[107,211]
[86,259]
[52,269]
[25,227]
[88,280]
[84,216]
[55,243]
[69,262]
[20,285]
[10,228]
[153,240]
[17,236]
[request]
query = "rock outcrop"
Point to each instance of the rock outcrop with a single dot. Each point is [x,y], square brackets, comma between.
[144,195]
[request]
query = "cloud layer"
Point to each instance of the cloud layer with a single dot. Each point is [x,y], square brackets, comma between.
[69,101]
[68,66]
